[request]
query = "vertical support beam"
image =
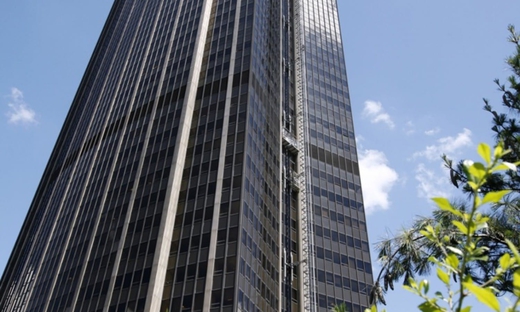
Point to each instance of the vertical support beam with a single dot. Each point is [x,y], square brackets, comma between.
[160,262]
[220,173]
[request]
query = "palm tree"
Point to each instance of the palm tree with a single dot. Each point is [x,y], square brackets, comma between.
[339,308]
[406,254]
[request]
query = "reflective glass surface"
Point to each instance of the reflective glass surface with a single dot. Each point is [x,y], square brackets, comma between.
[182,180]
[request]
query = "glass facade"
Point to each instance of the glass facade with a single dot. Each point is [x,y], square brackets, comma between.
[342,267]
[207,163]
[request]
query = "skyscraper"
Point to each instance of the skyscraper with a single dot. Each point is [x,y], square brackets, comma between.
[207,163]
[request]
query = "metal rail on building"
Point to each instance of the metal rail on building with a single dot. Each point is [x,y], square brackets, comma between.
[306,227]
[297,179]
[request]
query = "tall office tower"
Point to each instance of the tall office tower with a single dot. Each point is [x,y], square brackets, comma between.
[207,163]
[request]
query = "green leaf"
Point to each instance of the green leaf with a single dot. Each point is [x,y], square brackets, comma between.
[513,249]
[499,167]
[473,185]
[516,280]
[373,308]
[480,258]
[424,284]
[485,152]
[428,235]
[445,205]
[455,251]
[477,171]
[462,228]
[429,307]
[443,276]
[452,260]
[494,197]
[484,295]
[480,225]
[504,261]
[499,149]
[484,250]
[510,166]
[505,166]
[466,309]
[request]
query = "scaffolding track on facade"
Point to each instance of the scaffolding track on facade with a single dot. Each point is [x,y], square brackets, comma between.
[307,267]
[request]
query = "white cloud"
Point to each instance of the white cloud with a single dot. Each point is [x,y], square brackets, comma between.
[431,183]
[448,145]
[19,112]
[432,131]
[359,141]
[409,128]
[374,110]
[377,179]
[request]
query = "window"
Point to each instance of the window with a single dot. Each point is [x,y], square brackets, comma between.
[360,265]
[346,283]
[342,238]
[334,236]
[336,258]
[216,298]
[326,233]
[320,253]
[321,276]
[328,254]
[338,280]
[330,278]
[228,296]
[322,301]
[219,265]
[192,269]
[354,286]
[319,231]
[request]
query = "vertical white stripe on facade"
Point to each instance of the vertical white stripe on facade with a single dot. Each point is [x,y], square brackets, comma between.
[220,172]
[162,252]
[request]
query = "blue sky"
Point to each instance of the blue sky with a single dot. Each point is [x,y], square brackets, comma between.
[418,71]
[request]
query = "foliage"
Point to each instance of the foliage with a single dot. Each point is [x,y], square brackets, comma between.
[406,255]
[506,129]
[339,308]
[455,258]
